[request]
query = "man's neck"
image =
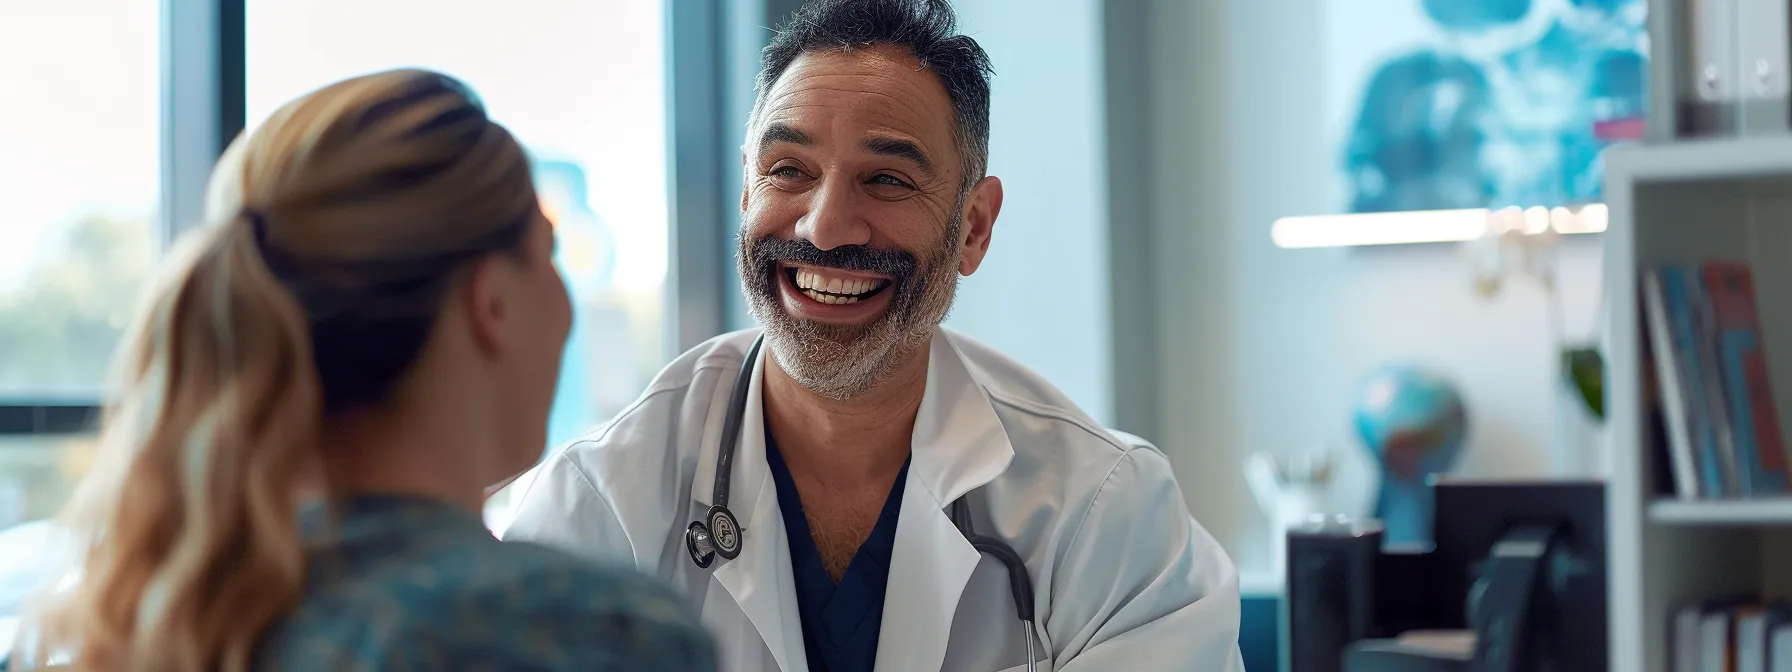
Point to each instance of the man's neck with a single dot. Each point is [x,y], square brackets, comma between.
[847,444]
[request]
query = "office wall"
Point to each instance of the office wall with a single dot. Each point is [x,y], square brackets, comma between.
[1042,293]
[1262,348]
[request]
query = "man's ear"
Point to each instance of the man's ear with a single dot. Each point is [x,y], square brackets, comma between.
[981,208]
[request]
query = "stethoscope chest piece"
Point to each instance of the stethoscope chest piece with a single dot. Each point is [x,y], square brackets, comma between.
[717,534]
[724,531]
[699,543]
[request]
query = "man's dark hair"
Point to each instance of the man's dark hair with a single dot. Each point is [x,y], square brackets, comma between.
[926,28]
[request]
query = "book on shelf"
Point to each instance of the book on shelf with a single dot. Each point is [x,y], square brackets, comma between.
[1721,431]
[1731,635]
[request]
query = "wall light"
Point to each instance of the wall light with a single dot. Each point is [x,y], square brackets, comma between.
[1429,226]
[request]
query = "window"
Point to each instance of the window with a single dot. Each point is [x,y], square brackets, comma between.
[581,84]
[80,178]
[79,168]
[37,475]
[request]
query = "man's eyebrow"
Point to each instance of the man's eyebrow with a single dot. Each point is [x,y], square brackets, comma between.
[781,132]
[900,149]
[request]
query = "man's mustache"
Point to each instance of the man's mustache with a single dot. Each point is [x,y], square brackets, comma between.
[895,264]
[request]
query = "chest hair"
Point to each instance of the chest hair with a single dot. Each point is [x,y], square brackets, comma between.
[840,524]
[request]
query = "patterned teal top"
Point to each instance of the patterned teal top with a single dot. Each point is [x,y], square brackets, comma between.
[417,585]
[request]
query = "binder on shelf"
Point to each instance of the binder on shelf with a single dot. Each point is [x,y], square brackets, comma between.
[1685,640]
[1736,473]
[1709,99]
[1761,62]
[1779,651]
[1679,309]
[1735,76]
[1731,635]
[1717,640]
[1747,391]
[1722,429]
[1682,436]
[1711,45]
[1755,627]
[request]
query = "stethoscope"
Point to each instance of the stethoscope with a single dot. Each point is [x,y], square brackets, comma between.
[720,532]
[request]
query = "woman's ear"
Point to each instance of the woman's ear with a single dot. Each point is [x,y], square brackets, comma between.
[483,305]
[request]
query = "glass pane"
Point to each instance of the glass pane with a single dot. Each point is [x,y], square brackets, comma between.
[581,84]
[37,475]
[79,177]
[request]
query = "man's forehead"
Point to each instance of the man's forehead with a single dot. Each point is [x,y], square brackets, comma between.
[883,85]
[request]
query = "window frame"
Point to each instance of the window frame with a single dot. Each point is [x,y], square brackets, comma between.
[712,52]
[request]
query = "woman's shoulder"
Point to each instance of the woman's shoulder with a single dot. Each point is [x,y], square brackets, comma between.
[473,600]
[534,578]
[562,612]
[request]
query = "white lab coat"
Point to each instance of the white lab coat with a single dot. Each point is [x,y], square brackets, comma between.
[1123,576]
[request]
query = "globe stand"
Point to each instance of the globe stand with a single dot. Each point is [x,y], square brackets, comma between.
[1404,509]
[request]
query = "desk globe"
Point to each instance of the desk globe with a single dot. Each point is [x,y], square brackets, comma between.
[1414,423]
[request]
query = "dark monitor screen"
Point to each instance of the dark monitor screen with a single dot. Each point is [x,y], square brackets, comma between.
[1569,614]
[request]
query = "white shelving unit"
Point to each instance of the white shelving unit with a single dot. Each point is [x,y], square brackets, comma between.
[1766,512]
[1683,202]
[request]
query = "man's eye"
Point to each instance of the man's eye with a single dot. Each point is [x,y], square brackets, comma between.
[785,172]
[890,181]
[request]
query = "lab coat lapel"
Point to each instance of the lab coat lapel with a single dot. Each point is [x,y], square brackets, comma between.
[959,445]
[760,578]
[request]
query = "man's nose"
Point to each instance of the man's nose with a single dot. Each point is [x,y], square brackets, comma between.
[834,218]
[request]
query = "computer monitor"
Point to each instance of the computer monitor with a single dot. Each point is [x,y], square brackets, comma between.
[1484,523]
[1514,579]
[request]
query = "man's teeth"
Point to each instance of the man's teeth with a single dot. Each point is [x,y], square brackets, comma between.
[807,279]
[837,290]
[829,298]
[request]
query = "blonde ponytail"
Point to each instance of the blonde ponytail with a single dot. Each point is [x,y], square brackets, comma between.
[340,224]
[192,548]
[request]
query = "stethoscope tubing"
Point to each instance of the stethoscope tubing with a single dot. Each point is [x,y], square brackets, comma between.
[737,411]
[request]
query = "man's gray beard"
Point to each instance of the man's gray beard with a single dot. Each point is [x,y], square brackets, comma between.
[842,371]
[842,362]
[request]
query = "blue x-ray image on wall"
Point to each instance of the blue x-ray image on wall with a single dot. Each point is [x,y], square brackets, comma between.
[1482,103]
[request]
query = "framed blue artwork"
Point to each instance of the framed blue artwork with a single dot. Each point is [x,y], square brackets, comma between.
[1457,104]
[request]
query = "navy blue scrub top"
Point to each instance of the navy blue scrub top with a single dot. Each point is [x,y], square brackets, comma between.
[840,622]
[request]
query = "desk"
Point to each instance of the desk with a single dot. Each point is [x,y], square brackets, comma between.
[1260,621]
[1258,639]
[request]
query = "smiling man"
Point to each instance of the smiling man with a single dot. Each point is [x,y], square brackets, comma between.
[854,487]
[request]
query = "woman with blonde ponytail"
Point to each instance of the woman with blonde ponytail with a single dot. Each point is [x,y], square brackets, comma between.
[313,404]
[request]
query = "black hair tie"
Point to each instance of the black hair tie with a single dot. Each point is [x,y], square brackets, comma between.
[264,244]
[258,224]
